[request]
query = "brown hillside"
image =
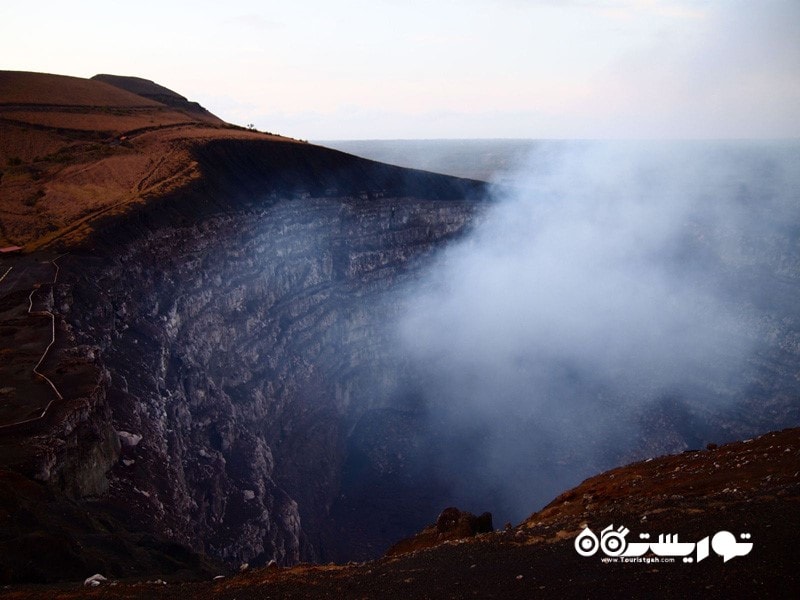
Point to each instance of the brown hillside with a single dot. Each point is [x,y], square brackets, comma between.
[153,91]
[138,86]
[75,149]
[22,87]
[104,151]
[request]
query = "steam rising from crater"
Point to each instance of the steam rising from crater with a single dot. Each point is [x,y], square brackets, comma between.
[611,279]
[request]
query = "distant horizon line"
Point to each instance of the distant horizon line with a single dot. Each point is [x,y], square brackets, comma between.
[557,139]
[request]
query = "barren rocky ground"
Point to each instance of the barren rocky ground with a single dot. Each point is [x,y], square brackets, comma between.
[745,487]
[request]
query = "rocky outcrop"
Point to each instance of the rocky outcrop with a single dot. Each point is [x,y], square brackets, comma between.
[73,445]
[451,524]
[245,340]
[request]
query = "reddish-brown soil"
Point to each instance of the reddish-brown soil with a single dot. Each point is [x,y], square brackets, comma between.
[22,87]
[76,149]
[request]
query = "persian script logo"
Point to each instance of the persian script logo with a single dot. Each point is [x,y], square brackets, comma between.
[613,544]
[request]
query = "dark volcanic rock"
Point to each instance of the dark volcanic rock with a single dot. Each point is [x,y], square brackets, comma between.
[46,537]
[452,520]
[243,327]
[451,524]
[689,494]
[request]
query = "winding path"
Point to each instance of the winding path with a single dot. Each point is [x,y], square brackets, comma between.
[46,313]
[36,371]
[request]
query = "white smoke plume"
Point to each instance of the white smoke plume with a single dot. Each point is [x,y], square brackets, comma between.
[611,277]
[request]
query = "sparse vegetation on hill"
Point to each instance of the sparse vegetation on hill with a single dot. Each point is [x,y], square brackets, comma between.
[92,147]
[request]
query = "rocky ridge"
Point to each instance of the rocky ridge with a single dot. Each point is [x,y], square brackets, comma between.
[243,372]
[211,346]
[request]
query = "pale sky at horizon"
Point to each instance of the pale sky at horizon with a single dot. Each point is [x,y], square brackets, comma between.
[390,69]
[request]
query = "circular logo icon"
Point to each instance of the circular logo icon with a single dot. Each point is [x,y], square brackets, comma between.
[586,544]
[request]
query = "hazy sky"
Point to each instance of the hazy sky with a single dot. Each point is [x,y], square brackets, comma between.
[317,69]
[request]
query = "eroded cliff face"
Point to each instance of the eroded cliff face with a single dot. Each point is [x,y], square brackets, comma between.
[246,350]
[67,441]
